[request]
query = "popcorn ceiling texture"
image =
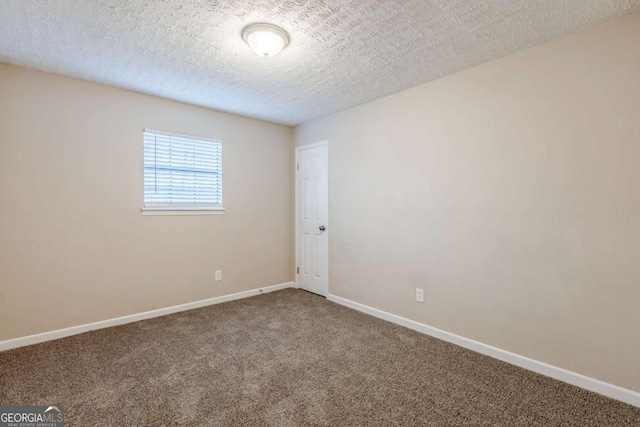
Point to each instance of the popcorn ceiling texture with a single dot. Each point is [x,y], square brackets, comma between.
[342,52]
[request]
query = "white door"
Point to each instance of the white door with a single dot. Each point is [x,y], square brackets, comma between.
[312,216]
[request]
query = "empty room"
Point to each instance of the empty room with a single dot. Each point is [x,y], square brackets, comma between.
[319,213]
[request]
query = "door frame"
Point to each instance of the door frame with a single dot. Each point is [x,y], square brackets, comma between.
[300,148]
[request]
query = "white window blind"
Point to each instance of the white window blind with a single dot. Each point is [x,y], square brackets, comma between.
[181,172]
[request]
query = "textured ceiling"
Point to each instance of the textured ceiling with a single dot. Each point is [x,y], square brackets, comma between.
[342,52]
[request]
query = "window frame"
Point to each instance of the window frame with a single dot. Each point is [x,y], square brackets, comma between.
[156,208]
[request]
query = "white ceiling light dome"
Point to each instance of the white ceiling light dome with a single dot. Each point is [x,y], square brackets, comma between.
[265,39]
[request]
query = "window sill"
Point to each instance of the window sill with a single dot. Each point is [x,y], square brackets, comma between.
[182,211]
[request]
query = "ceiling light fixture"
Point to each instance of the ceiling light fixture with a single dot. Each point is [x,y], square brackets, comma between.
[265,39]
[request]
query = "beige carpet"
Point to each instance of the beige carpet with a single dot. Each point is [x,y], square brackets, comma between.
[287,358]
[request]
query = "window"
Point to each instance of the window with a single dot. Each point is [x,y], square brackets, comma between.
[181,173]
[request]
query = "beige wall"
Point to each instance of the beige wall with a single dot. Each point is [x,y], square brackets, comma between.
[73,245]
[510,192]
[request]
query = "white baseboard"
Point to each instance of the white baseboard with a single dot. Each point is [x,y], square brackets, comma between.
[615,392]
[74,330]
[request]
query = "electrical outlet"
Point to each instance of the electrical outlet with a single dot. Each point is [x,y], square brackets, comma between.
[218,275]
[419,295]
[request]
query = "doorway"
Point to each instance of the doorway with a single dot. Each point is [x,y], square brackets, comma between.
[312,218]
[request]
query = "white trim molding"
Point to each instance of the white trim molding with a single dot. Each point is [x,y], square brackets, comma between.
[75,330]
[182,211]
[312,145]
[613,391]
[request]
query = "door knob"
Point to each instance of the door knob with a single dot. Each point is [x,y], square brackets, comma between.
[322,228]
